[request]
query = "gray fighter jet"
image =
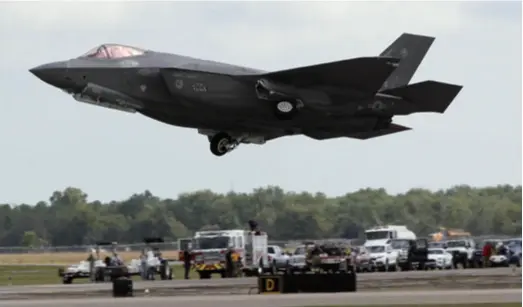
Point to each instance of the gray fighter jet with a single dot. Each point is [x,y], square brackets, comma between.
[231,105]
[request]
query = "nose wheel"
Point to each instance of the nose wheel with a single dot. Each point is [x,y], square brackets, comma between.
[221,143]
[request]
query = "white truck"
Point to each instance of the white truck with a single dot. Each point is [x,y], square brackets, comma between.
[381,235]
[462,251]
[278,259]
[297,260]
[210,248]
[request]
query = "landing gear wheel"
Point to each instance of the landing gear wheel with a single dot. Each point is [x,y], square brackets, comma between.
[285,109]
[220,144]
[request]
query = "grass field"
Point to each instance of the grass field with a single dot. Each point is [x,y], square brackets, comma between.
[68,258]
[39,275]
[442,305]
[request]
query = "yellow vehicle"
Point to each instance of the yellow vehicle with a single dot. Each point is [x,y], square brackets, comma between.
[447,234]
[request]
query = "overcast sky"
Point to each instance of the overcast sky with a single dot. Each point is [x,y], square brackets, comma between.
[49,141]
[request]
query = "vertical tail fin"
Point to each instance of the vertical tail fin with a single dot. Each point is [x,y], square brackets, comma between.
[411,49]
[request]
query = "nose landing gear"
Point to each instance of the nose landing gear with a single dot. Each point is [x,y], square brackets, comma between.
[222,143]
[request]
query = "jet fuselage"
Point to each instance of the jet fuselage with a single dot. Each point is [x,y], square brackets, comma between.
[233,104]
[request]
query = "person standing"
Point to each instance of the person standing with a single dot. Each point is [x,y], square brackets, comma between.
[228,263]
[487,250]
[91,260]
[187,261]
[143,265]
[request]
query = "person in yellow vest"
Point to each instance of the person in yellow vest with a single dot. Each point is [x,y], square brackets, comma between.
[348,258]
[235,263]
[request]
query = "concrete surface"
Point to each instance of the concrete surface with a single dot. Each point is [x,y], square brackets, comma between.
[290,300]
[403,277]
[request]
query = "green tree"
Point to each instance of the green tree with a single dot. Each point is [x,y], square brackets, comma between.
[70,218]
[30,239]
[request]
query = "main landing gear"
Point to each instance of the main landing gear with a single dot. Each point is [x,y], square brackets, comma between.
[222,143]
[285,109]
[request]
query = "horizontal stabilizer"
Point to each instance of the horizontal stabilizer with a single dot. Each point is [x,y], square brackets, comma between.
[427,96]
[393,128]
[365,74]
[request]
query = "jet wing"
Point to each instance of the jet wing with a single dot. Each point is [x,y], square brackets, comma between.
[366,74]
[324,135]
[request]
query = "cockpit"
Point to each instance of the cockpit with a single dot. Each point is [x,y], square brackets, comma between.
[113,51]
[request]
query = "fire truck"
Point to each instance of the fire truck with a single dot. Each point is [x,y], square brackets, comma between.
[210,248]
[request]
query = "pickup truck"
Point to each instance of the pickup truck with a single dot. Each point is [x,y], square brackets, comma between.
[298,259]
[278,259]
[462,251]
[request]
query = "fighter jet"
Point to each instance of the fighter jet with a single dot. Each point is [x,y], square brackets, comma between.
[233,105]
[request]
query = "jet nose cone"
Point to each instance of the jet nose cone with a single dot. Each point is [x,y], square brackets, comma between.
[52,73]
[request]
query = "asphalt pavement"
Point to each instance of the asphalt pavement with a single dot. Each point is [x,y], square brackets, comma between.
[290,300]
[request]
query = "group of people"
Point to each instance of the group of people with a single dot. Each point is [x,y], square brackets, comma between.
[94,255]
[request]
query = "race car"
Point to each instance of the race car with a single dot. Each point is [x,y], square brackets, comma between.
[102,273]
[107,269]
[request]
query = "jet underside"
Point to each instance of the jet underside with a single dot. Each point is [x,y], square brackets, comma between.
[354,98]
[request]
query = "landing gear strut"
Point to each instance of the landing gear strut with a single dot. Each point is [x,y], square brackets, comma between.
[222,143]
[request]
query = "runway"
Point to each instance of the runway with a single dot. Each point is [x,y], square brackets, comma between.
[251,282]
[291,300]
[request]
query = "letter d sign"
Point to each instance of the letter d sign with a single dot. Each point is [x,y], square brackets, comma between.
[269,285]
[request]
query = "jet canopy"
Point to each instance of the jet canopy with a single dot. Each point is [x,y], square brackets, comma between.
[113,51]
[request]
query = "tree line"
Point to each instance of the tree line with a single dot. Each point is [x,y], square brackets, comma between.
[69,218]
